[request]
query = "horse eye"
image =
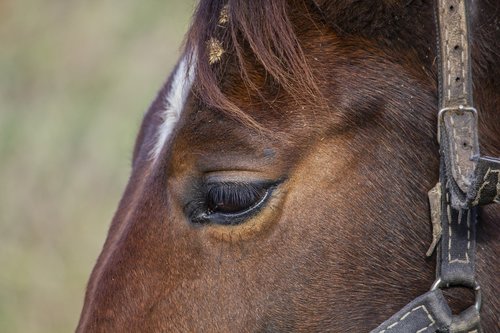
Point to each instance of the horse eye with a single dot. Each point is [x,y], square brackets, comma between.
[232,198]
[231,203]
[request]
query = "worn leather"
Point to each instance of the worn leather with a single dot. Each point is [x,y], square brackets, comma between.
[457,120]
[457,250]
[467,322]
[455,54]
[472,181]
[427,313]
[487,184]
[466,181]
[430,313]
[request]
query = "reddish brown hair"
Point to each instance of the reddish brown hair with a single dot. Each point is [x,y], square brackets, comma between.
[260,27]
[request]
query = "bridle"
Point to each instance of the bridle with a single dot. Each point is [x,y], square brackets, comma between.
[466,181]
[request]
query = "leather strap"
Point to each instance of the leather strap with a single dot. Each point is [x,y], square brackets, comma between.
[470,183]
[457,118]
[456,83]
[487,185]
[459,150]
[466,181]
[426,313]
[457,251]
[430,313]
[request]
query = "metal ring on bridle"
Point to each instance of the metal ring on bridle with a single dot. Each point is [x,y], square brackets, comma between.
[440,284]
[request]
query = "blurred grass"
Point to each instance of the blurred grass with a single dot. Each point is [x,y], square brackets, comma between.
[75,79]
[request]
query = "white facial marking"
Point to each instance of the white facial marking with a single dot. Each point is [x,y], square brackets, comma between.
[174,102]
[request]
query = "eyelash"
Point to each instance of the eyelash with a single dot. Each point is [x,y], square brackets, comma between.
[236,194]
[243,200]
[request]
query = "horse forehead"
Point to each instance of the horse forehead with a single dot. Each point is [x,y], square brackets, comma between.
[200,125]
[203,128]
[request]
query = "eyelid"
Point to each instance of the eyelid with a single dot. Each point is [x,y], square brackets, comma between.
[231,177]
[201,216]
[229,188]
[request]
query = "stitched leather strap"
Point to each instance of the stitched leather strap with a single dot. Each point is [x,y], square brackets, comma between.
[426,313]
[457,119]
[430,313]
[465,181]
[487,184]
[459,149]
[457,251]
[470,182]
[483,184]
[456,86]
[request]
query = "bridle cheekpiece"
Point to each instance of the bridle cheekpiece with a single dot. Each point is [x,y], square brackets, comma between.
[467,180]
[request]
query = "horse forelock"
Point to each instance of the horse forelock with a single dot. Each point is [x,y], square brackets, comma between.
[266,34]
[260,31]
[261,28]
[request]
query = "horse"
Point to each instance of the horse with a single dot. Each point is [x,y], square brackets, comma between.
[279,179]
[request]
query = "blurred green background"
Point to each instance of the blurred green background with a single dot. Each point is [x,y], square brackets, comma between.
[75,80]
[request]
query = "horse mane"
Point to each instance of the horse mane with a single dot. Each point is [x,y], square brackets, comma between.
[260,29]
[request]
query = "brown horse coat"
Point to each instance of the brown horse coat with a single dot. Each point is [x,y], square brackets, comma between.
[319,119]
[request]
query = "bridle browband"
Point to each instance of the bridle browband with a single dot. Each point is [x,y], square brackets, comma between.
[466,181]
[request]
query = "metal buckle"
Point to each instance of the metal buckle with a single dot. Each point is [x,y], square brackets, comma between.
[439,284]
[454,108]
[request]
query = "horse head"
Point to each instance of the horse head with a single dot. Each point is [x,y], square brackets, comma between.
[279,180]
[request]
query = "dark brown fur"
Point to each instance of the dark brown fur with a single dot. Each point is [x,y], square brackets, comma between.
[340,98]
